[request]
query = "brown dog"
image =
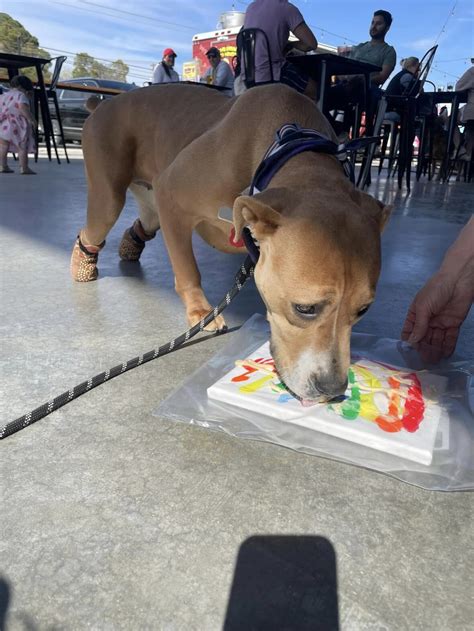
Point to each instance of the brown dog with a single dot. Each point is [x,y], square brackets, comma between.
[319,236]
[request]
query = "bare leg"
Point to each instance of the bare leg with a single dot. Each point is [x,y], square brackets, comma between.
[4,168]
[23,159]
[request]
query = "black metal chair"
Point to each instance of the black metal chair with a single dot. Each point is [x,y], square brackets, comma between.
[408,106]
[246,43]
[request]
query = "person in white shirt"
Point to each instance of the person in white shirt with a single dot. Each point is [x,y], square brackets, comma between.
[163,72]
[219,73]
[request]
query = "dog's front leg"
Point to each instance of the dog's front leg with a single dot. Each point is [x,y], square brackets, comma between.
[177,229]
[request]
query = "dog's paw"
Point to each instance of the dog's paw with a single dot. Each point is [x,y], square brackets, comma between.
[218,324]
[83,264]
[130,247]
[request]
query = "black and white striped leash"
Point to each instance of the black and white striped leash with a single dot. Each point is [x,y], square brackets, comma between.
[244,273]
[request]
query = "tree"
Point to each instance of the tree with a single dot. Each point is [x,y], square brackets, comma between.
[14,38]
[86,66]
[119,70]
[82,65]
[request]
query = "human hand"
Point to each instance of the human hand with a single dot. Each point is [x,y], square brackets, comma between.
[436,314]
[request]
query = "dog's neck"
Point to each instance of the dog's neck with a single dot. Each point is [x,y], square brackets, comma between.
[311,171]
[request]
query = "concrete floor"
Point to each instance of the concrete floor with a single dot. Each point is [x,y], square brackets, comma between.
[114,519]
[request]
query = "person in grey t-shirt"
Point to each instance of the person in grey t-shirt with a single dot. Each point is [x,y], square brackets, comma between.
[219,72]
[376,51]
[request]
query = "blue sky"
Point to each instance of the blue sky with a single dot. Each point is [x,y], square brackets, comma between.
[137,31]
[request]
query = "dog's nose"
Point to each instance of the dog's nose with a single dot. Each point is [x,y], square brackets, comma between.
[329,386]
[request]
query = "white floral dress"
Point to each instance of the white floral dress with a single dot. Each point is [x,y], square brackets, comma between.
[15,128]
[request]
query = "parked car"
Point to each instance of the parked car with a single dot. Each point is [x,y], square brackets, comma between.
[72,105]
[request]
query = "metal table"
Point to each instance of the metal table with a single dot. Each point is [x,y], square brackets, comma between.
[321,67]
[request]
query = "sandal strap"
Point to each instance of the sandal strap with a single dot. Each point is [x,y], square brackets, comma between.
[138,233]
[86,251]
[135,237]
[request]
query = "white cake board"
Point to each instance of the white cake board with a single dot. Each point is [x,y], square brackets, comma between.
[255,393]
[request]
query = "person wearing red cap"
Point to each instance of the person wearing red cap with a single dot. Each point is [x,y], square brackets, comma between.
[163,72]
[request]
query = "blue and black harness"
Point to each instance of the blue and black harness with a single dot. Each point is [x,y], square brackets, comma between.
[290,140]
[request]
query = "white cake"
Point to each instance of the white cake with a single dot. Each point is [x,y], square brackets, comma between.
[385,408]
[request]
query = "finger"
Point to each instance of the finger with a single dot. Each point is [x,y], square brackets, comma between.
[451,339]
[428,337]
[409,323]
[438,339]
[407,328]
[429,354]
[420,326]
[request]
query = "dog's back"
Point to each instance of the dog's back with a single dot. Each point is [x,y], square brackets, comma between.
[149,118]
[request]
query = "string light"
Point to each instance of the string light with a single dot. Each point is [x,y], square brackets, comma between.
[447,20]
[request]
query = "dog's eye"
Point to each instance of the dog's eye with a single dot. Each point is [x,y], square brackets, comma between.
[361,312]
[307,311]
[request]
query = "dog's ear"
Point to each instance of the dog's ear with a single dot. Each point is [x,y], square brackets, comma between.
[377,210]
[251,211]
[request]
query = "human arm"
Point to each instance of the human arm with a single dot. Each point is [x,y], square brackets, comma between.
[306,39]
[406,82]
[207,76]
[388,64]
[379,78]
[224,75]
[435,316]
[158,74]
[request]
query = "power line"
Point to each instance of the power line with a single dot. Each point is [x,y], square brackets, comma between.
[447,20]
[447,61]
[156,21]
[70,52]
[446,74]
[145,17]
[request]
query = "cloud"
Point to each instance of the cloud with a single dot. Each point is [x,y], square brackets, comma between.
[422,44]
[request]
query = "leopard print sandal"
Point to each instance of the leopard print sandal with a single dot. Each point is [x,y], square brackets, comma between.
[133,242]
[84,261]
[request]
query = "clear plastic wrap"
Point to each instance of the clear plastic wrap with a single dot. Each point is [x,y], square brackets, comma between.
[452,466]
